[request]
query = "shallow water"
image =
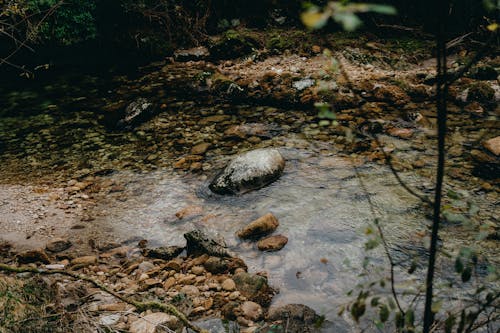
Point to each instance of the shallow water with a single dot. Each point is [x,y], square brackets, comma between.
[324,200]
[319,202]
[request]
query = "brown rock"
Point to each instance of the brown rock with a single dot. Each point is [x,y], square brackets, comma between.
[58,245]
[262,226]
[189,211]
[84,261]
[254,288]
[228,285]
[113,307]
[174,265]
[214,119]
[149,323]
[200,148]
[493,145]
[403,133]
[272,243]
[251,310]
[32,256]
[169,283]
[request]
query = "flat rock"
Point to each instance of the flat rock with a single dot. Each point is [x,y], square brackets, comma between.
[249,171]
[493,145]
[200,148]
[165,253]
[262,226]
[272,243]
[58,245]
[150,322]
[192,54]
[32,256]
[198,243]
[84,261]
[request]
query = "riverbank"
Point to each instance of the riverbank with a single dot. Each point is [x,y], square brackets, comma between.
[73,168]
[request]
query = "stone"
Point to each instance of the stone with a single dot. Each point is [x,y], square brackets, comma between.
[190,290]
[32,256]
[198,243]
[300,318]
[150,322]
[390,93]
[192,54]
[251,310]
[84,261]
[108,320]
[198,270]
[113,307]
[136,112]
[272,243]
[493,145]
[189,211]
[262,226]
[173,265]
[200,148]
[403,133]
[228,285]
[58,245]
[216,265]
[165,253]
[249,171]
[254,287]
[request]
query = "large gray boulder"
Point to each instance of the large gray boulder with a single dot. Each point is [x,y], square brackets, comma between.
[249,171]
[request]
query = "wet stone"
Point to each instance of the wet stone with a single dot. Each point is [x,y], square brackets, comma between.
[272,243]
[262,226]
[58,245]
[249,171]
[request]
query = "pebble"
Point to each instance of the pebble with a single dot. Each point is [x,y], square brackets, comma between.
[228,285]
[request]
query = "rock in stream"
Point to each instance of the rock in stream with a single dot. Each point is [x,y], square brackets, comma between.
[249,171]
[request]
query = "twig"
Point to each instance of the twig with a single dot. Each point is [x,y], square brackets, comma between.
[382,237]
[388,160]
[140,306]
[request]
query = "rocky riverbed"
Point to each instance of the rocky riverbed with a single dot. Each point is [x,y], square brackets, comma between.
[86,167]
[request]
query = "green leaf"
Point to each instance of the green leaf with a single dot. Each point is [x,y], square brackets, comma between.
[384,313]
[459,265]
[349,21]
[413,267]
[314,19]
[436,306]
[399,319]
[371,244]
[374,301]
[358,310]
[382,9]
[449,323]
[466,274]
[410,318]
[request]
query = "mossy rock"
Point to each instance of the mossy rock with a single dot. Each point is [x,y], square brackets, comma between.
[279,42]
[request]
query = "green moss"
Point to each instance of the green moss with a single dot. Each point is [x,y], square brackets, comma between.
[279,42]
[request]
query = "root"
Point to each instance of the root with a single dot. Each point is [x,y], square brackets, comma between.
[140,306]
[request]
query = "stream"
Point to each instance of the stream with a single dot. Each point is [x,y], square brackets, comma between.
[324,201]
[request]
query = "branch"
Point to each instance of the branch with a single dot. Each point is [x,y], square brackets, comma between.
[140,306]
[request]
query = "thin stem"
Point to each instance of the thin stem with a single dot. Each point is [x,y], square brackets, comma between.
[441,92]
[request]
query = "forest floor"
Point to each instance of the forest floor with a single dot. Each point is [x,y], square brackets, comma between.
[364,95]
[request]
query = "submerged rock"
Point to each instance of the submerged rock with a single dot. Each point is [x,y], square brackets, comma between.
[262,226]
[249,171]
[272,243]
